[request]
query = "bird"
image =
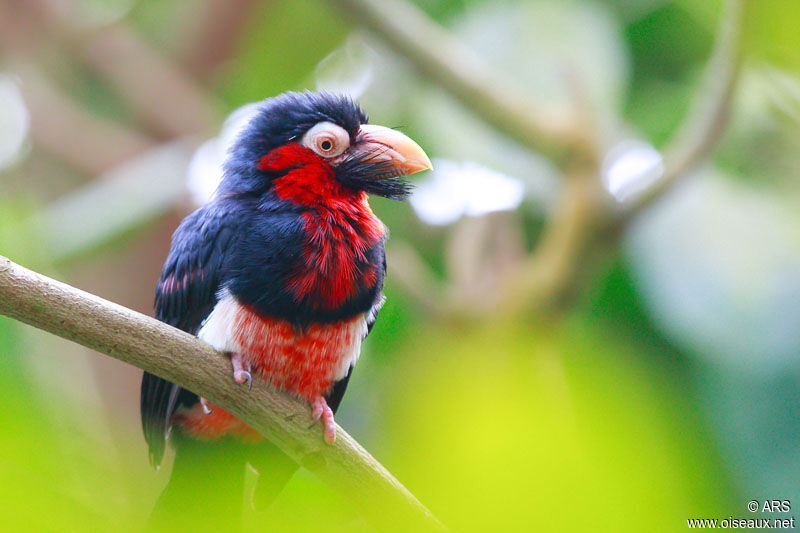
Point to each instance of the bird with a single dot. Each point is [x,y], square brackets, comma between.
[283,271]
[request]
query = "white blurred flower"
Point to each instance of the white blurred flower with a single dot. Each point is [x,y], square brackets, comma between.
[458,188]
[630,167]
[205,169]
[14,121]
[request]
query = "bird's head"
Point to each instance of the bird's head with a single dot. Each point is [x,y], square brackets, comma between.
[304,146]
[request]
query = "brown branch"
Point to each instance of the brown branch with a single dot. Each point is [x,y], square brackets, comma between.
[498,100]
[179,357]
[585,214]
[414,276]
[63,127]
[707,116]
[586,219]
[169,101]
[212,40]
[546,279]
[166,99]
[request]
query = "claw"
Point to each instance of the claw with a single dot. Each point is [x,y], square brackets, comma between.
[320,409]
[240,375]
[204,403]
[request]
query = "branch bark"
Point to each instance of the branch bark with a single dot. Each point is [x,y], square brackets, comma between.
[182,358]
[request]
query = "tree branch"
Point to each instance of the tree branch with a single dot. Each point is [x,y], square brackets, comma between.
[211,41]
[134,68]
[182,358]
[495,98]
[705,121]
[585,218]
[90,143]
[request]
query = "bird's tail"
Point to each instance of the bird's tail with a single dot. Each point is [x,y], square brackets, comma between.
[274,468]
[206,487]
[204,492]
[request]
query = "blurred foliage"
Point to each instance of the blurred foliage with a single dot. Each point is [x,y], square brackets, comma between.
[262,71]
[772,32]
[549,428]
[668,391]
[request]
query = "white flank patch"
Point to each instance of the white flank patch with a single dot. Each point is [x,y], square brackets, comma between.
[217,329]
[358,330]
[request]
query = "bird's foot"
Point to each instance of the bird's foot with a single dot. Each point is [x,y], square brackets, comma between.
[206,409]
[320,409]
[240,374]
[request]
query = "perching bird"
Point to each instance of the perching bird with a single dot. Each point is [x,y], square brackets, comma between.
[283,269]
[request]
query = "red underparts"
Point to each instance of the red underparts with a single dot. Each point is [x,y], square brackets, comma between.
[303,362]
[218,423]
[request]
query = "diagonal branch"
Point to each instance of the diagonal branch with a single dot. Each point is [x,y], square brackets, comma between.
[134,68]
[495,98]
[87,141]
[179,357]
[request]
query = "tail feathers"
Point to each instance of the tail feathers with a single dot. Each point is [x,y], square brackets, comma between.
[274,468]
[205,489]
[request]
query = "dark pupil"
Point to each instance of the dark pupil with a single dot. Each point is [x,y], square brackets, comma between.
[326,145]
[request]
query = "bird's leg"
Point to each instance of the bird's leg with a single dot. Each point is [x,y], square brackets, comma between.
[206,408]
[240,375]
[321,410]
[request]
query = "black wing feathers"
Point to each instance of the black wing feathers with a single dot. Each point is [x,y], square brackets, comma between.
[158,400]
[186,292]
[185,295]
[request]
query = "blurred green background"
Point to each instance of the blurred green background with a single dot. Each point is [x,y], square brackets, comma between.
[659,382]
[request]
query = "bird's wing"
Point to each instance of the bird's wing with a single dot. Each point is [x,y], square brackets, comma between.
[185,295]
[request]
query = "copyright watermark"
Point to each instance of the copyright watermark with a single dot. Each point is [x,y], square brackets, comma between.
[772,516]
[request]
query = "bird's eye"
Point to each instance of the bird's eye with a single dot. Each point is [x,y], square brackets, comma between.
[327,139]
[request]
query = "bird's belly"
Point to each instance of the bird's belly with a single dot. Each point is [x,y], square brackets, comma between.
[304,361]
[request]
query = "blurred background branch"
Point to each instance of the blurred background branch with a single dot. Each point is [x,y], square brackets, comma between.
[705,121]
[486,91]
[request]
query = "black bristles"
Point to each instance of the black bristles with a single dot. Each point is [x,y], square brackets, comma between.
[363,172]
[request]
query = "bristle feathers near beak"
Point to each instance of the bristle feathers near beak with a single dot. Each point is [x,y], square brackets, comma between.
[379,160]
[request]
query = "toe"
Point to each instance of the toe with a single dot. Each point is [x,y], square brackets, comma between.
[330,432]
[206,409]
[243,376]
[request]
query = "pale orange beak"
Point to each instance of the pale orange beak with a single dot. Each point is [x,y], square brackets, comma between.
[385,144]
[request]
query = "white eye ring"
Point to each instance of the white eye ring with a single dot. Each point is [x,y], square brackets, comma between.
[326,139]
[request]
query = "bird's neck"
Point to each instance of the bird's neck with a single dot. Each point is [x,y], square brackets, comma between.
[338,263]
